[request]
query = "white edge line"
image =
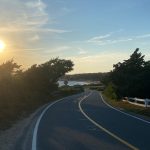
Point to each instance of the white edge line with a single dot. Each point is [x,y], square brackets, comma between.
[102,128]
[122,111]
[34,138]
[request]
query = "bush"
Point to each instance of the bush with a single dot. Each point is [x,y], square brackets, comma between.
[98,88]
[68,90]
[110,91]
[21,92]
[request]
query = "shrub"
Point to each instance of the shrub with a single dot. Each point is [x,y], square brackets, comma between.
[110,91]
[21,92]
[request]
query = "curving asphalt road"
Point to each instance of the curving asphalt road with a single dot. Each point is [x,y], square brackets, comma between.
[85,122]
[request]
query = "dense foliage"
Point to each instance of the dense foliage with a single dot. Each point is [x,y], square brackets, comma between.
[23,91]
[131,77]
[85,77]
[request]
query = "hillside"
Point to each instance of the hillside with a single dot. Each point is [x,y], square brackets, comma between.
[85,77]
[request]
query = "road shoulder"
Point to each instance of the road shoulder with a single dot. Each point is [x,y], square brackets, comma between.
[124,110]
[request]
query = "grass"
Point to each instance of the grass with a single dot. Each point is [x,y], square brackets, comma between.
[11,112]
[97,87]
[67,90]
[128,107]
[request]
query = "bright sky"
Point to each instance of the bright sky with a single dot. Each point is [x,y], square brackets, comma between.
[94,34]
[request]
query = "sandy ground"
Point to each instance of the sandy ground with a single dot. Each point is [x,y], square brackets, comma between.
[19,136]
[9,138]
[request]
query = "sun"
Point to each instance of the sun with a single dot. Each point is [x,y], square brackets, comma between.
[2,46]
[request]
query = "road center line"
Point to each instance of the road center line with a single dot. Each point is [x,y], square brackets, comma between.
[102,128]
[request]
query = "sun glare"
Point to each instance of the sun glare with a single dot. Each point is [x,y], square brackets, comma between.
[2,46]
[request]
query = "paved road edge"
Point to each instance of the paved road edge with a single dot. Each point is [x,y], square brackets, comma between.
[102,128]
[34,139]
[35,130]
[127,114]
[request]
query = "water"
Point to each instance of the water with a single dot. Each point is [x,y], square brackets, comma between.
[72,83]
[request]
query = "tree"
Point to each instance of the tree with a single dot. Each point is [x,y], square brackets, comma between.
[23,91]
[110,91]
[8,69]
[8,72]
[43,78]
[129,76]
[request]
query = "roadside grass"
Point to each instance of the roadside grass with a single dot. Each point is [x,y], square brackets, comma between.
[128,107]
[68,90]
[17,109]
[98,87]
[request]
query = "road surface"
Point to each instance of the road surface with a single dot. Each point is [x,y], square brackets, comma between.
[85,122]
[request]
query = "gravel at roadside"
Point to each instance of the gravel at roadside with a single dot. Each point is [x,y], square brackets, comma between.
[19,136]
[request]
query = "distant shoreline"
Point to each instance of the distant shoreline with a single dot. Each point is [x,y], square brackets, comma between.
[75,82]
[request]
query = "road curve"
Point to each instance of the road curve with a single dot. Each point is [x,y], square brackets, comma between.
[63,126]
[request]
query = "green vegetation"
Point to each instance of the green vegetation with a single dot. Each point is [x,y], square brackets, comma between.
[21,92]
[128,107]
[67,90]
[98,87]
[110,91]
[130,78]
[85,77]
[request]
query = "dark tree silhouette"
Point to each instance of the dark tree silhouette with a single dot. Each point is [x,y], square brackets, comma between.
[44,77]
[23,91]
[132,76]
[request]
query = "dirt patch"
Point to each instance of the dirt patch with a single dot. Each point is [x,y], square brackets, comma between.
[19,136]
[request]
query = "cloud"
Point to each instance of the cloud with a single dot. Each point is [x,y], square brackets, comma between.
[82,51]
[98,39]
[12,29]
[103,40]
[56,49]
[142,36]
[66,10]
[107,39]
[26,28]
[34,50]
[25,16]
[39,17]
[45,51]
[61,48]
[35,38]
[117,41]
[100,62]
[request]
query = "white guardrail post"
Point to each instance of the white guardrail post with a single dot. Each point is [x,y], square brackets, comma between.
[138,101]
[147,102]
